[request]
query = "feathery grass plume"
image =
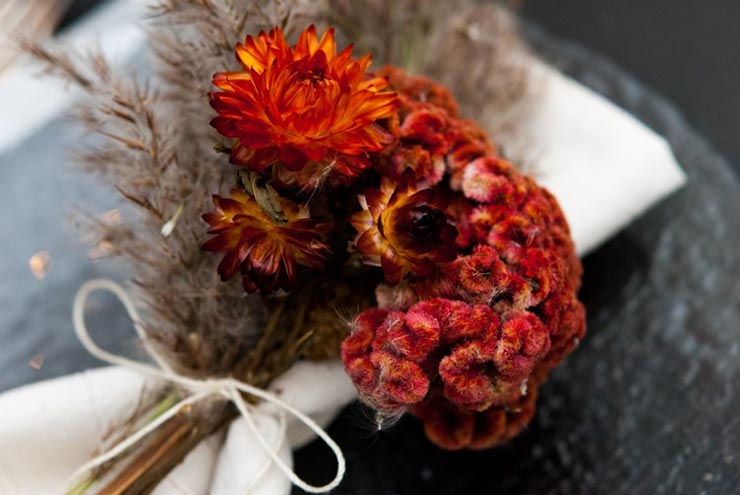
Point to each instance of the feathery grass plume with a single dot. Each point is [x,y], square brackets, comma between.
[480,55]
[143,147]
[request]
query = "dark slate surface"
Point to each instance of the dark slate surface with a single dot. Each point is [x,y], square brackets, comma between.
[38,194]
[646,405]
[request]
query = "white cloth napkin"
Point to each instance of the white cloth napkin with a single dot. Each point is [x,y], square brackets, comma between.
[604,167]
[50,429]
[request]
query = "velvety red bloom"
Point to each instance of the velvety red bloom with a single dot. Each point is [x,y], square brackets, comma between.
[566,316]
[266,251]
[484,183]
[478,334]
[302,106]
[380,359]
[453,428]
[470,144]
[417,91]
[431,127]
[461,358]
[404,228]
[431,138]
[482,275]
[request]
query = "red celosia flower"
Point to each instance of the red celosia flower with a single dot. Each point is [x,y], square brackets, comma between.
[453,428]
[267,251]
[478,334]
[431,138]
[418,91]
[302,106]
[384,377]
[429,126]
[470,144]
[461,358]
[404,228]
[483,184]
[481,276]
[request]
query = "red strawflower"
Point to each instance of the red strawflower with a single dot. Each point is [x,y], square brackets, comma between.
[404,228]
[302,106]
[266,251]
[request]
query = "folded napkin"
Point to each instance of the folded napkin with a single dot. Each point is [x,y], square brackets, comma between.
[604,167]
[50,429]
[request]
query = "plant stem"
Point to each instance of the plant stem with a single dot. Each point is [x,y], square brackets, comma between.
[167,447]
[81,487]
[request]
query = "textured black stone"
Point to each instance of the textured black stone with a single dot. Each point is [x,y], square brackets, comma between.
[647,405]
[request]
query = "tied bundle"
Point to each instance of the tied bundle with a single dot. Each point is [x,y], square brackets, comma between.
[354,212]
[375,179]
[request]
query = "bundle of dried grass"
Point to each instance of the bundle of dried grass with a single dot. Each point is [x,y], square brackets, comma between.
[151,142]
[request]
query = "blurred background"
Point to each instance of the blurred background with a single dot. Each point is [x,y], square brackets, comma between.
[687,51]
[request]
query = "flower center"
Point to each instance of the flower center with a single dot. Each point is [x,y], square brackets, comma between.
[415,229]
[314,76]
[426,222]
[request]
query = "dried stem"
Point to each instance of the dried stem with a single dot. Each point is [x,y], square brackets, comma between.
[167,448]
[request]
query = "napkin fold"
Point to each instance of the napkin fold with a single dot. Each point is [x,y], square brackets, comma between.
[604,167]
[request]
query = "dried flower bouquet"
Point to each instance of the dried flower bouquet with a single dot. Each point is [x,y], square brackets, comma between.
[333,208]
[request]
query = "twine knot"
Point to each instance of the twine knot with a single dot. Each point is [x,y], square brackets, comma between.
[230,389]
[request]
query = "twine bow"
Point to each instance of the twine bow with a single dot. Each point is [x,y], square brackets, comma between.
[229,388]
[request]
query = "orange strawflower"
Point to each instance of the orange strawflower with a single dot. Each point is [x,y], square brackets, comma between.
[267,251]
[304,106]
[404,228]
